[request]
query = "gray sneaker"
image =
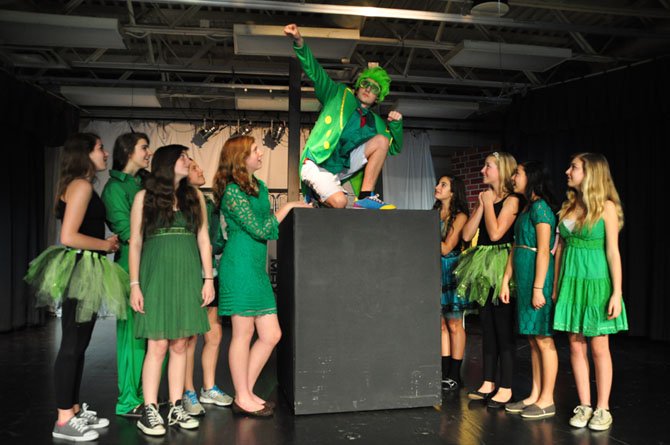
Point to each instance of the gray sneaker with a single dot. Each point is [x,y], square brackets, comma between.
[191,404]
[215,396]
[177,416]
[601,420]
[582,416]
[76,430]
[91,418]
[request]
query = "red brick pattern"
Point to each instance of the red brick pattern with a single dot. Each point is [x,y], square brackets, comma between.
[466,164]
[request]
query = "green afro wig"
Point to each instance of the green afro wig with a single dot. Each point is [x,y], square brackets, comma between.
[379,75]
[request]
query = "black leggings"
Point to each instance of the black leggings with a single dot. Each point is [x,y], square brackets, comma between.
[498,340]
[69,365]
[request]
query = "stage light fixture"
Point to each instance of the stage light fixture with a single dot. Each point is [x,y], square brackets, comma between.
[243,129]
[204,133]
[274,135]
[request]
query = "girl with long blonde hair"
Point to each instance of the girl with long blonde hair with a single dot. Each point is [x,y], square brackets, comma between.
[480,272]
[588,281]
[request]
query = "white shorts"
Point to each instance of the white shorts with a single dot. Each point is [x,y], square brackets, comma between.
[325,183]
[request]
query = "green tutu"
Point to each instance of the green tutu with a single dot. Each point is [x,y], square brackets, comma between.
[479,269]
[88,277]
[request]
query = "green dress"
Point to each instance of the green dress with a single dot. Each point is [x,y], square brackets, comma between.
[532,321]
[585,286]
[244,285]
[171,282]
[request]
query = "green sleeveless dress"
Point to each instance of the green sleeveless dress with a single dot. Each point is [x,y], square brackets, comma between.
[171,282]
[244,285]
[584,285]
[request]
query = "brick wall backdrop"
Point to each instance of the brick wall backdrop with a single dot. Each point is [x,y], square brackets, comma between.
[466,164]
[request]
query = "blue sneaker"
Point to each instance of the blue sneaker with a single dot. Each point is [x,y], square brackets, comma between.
[372,202]
[215,396]
[191,404]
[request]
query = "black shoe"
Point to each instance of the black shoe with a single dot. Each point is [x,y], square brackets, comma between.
[494,404]
[264,412]
[477,395]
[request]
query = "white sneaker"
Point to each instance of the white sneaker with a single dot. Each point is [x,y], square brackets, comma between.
[582,416]
[602,420]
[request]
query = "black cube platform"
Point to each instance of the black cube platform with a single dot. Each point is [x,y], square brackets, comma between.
[359,306]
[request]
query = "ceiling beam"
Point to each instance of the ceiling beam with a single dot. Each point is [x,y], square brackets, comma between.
[413,14]
[253,87]
[577,36]
[216,34]
[562,5]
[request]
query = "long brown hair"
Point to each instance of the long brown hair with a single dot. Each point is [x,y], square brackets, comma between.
[457,204]
[233,169]
[160,194]
[75,161]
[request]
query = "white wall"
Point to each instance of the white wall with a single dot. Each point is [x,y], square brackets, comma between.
[275,161]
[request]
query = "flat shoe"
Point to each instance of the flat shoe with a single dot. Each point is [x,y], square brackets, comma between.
[535,412]
[269,404]
[265,412]
[494,404]
[516,407]
[477,395]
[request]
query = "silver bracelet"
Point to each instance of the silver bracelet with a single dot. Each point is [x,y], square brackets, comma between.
[133,283]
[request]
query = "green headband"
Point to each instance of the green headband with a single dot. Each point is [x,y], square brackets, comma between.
[380,76]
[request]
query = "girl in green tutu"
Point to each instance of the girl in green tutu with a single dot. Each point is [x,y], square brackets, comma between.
[79,276]
[532,265]
[169,252]
[452,203]
[590,302]
[480,271]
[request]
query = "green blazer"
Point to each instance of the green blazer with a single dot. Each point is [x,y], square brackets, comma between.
[338,104]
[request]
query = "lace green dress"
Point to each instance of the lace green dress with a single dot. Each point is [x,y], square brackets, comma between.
[171,283]
[584,285]
[244,285]
[533,321]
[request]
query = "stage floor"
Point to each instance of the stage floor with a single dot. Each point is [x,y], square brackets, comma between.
[640,402]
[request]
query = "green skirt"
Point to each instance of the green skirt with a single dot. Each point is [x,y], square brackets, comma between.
[581,308]
[171,283]
[88,277]
[479,269]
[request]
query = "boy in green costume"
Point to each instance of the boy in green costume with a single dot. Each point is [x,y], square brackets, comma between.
[131,155]
[349,141]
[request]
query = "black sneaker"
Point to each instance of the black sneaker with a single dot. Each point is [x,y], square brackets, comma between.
[151,423]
